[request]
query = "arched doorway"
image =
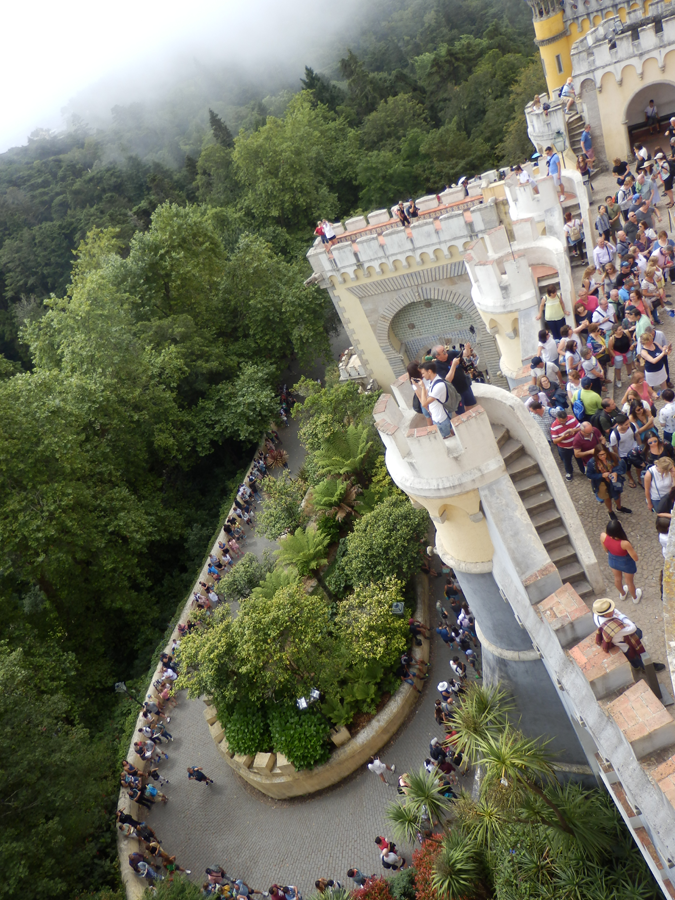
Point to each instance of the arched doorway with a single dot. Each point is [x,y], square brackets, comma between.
[441,316]
[663,95]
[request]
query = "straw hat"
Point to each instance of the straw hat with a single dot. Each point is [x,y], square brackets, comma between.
[604,606]
[443,686]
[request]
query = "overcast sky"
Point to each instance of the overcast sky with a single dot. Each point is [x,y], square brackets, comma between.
[52,50]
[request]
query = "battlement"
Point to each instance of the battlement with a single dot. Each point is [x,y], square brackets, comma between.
[423,460]
[612,43]
[403,248]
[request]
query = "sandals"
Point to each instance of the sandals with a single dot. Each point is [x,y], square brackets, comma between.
[631,484]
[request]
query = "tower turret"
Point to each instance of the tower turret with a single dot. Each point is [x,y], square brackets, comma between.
[553,39]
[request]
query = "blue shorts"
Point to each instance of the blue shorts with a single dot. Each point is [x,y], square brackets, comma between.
[622,563]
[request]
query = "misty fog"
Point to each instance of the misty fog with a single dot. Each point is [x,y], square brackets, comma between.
[185,57]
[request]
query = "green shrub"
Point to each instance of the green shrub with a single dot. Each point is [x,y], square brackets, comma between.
[402,885]
[247,730]
[281,509]
[386,543]
[246,575]
[335,575]
[301,735]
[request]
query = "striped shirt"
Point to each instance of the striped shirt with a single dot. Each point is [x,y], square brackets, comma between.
[559,428]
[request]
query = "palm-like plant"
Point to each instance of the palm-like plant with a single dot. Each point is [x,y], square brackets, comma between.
[275,580]
[483,711]
[305,551]
[484,820]
[405,821]
[457,868]
[277,458]
[424,792]
[517,762]
[345,452]
[335,498]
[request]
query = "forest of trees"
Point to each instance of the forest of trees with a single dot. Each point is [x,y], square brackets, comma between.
[151,293]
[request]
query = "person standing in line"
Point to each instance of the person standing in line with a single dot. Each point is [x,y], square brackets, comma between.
[652,117]
[667,415]
[196,773]
[563,432]
[379,767]
[622,559]
[606,472]
[659,482]
[553,310]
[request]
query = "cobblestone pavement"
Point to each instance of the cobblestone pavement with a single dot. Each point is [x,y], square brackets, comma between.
[639,526]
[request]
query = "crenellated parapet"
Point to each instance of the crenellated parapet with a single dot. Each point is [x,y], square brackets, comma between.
[403,248]
[613,45]
[504,273]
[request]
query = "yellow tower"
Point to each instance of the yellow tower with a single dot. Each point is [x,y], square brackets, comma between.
[553,40]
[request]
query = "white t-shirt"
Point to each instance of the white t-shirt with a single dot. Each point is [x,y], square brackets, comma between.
[667,417]
[572,388]
[549,351]
[377,766]
[541,397]
[439,390]
[572,360]
[651,111]
[625,441]
[661,484]
[525,178]
[625,409]
[549,369]
[328,229]
[589,365]
[608,314]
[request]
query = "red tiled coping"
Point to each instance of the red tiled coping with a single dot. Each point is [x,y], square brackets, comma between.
[433,213]
[620,794]
[562,607]
[521,390]
[402,380]
[638,712]
[387,427]
[664,776]
[421,432]
[471,413]
[592,659]
[642,835]
[381,404]
[548,569]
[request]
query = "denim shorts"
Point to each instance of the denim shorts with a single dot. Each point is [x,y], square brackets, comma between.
[622,563]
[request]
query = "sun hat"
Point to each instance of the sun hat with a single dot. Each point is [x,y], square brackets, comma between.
[603,606]
[442,685]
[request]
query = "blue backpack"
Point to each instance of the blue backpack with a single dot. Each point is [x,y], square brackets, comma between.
[578,407]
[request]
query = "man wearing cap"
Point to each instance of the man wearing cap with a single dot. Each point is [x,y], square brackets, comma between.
[591,399]
[616,629]
[538,368]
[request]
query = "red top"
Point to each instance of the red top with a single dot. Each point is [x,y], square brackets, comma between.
[613,545]
[559,428]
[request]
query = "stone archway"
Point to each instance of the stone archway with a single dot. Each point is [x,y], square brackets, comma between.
[661,92]
[417,319]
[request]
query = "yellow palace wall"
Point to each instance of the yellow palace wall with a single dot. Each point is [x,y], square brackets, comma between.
[614,98]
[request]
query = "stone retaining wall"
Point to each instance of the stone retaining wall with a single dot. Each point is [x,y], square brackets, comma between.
[274,776]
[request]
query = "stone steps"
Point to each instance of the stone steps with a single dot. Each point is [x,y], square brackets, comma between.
[522,466]
[532,489]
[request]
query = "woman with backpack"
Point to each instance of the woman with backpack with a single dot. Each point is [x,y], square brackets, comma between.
[659,482]
[607,473]
[574,232]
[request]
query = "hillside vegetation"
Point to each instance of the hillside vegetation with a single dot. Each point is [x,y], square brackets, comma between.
[151,294]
